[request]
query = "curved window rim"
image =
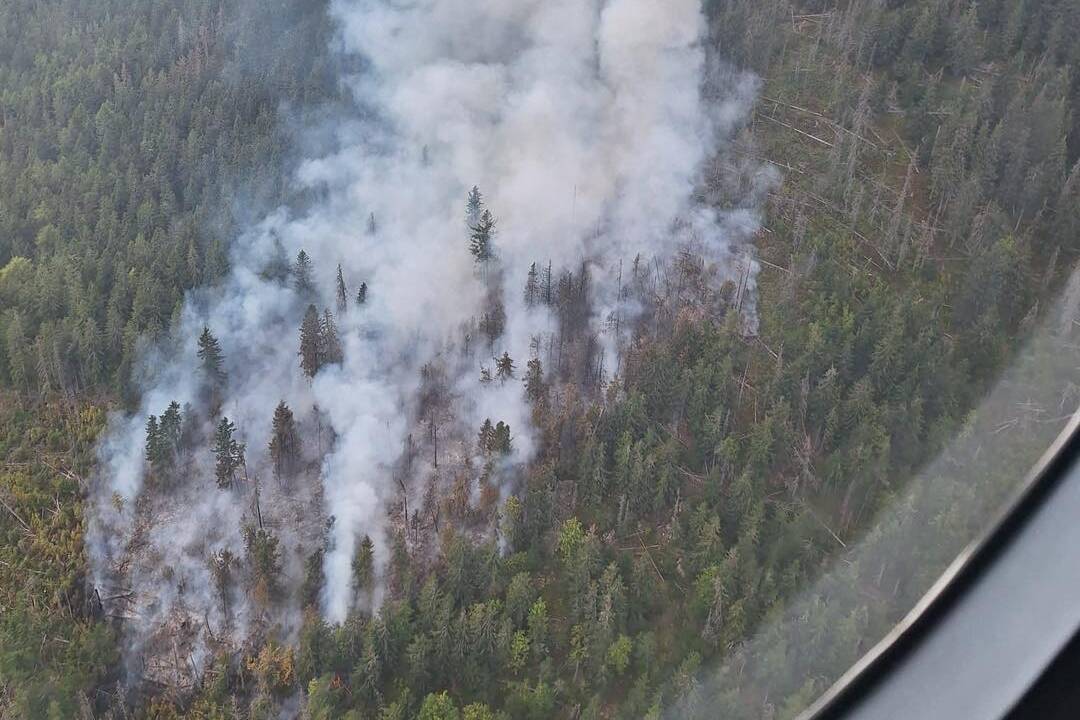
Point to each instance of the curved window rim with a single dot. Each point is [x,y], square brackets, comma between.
[843,698]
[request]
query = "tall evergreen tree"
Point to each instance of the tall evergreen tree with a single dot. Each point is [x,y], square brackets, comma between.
[485,437]
[532,287]
[301,272]
[504,367]
[342,293]
[221,565]
[285,444]
[501,441]
[361,294]
[213,360]
[310,342]
[474,207]
[965,46]
[534,380]
[494,439]
[547,285]
[18,366]
[329,340]
[363,566]
[228,454]
[163,441]
[481,244]
[264,559]
[154,450]
[171,425]
[493,319]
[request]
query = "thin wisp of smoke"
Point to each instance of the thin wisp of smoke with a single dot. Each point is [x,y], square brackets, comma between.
[587,125]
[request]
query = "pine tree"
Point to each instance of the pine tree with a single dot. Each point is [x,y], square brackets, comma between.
[546,285]
[221,565]
[285,444]
[310,342]
[153,444]
[893,237]
[163,441]
[361,294]
[301,271]
[264,559]
[481,244]
[966,43]
[474,207]
[171,424]
[534,380]
[363,566]
[217,263]
[314,579]
[493,320]
[501,442]
[16,351]
[486,437]
[213,360]
[89,348]
[193,264]
[329,341]
[532,287]
[504,367]
[228,454]
[342,293]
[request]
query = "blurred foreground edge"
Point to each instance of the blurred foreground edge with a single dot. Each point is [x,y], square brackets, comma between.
[998,634]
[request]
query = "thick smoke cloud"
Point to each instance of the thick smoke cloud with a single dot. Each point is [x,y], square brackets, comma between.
[585,124]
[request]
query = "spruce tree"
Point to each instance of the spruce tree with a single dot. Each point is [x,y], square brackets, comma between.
[329,342]
[285,444]
[965,46]
[486,437]
[16,349]
[213,360]
[193,264]
[481,244]
[493,320]
[534,380]
[474,207]
[501,442]
[504,367]
[301,271]
[171,423]
[310,341]
[221,564]
[546,292]
[342,293]
[532,287]
[228,454]
[264,559]
[361,294]
[363,566]
[153,444]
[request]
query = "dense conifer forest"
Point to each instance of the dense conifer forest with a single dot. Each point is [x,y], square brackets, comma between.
[923,219]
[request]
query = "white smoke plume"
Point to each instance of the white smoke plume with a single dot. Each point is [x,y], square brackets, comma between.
[587,125]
